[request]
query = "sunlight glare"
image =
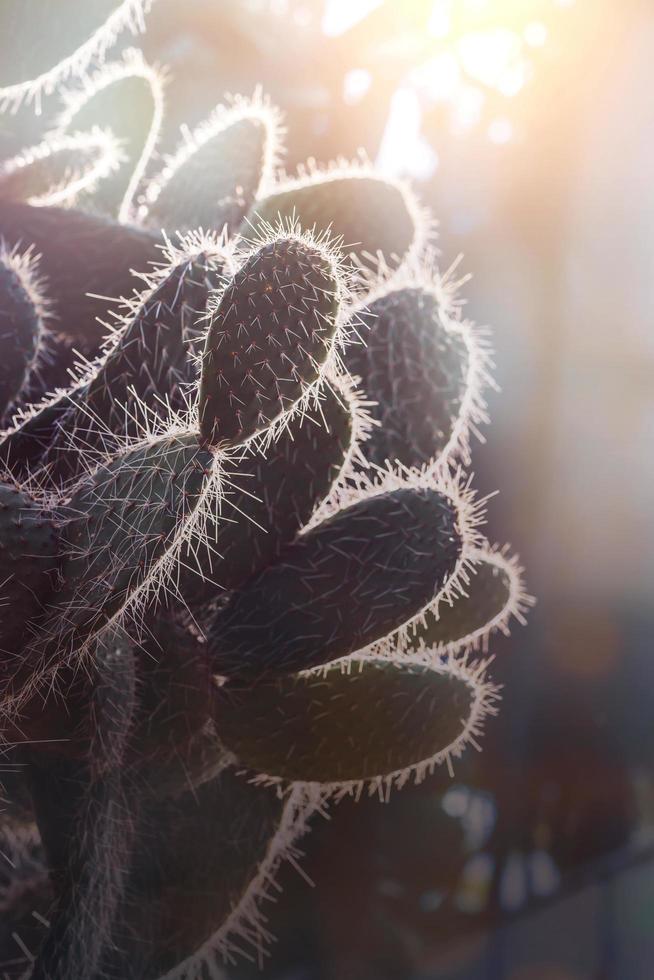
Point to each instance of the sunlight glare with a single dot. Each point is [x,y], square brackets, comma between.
[341,15]
[489,56]
[440,20]
[356,84]
[440,78]
[500,131]
[404,152]
[536,34]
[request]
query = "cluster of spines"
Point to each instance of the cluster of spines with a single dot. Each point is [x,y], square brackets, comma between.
[190,534]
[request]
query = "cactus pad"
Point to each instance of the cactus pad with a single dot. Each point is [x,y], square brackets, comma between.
[213,178]
[268,497]
[494,594]
[125,97]
[54,39]
[81,254]
[375,719]
[59,170]
[121,522]
[415,364]
[367,214]
[269,338]
[145,370]
[195,858]
[341,586]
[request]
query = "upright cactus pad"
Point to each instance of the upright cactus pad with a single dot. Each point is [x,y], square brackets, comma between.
[144,374]
[221,830]
[423,369]
[119,525]
[239,575]
[212,180]
[275,328]
[125,97]
[100,852]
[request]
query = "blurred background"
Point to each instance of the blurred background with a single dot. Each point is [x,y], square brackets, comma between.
[528,127]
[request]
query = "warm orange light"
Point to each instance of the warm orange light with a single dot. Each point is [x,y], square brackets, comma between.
[462,54]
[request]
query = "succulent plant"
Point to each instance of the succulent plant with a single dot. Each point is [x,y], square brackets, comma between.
[242,570]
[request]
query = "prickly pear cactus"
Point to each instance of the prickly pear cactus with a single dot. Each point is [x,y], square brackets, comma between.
[242,569]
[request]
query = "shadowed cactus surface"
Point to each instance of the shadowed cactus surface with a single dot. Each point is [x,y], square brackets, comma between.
[241,571]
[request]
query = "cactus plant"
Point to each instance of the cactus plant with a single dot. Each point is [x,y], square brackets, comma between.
[243,572]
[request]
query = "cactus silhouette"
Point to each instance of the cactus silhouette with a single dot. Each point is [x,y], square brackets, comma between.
[242,570]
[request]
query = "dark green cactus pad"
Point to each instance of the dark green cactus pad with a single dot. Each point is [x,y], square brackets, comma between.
[368,213]
[414,365]
[212,182]
[343,585]
[81,254]
[268,498]
[58,786]
[491,598]
[268,340]
[20,327]
[55,171]
[120,521]
[146,369]
[330,727]
[29,552]
[194,858]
